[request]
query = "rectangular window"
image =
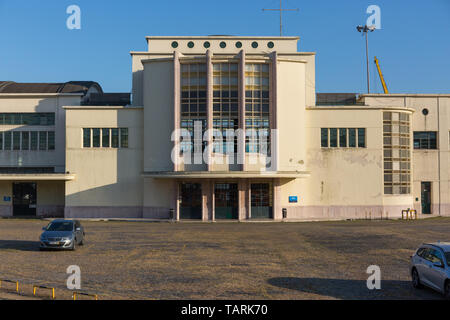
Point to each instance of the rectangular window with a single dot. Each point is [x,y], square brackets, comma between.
[8,139]
[30,119]
[361,138]
[86,138]
[114,138]
[1,140]
[96,138]
[16,140]
[425,140]
[43,140]
[333,138]
[124,137]
[34,140]
[25,140]
[51,140]
[105,138]
[352,138]
[342,138]
[324,137]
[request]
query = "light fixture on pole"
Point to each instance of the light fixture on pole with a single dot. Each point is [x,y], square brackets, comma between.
[365,29]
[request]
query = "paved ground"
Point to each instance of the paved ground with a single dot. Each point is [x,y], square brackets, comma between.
[316,260]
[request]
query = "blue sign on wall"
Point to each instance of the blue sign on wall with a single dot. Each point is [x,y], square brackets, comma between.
[7,199]
[293,199]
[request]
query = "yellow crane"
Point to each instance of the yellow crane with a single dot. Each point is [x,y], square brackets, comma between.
[381,76]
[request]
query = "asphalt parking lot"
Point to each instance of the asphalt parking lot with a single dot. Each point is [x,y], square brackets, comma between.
[309,260]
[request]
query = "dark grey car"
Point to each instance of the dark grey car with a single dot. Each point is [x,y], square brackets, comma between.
[62,234]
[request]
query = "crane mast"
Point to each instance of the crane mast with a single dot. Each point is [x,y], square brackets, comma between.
[386,91]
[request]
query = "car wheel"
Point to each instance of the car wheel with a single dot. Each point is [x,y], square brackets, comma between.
[447,289]
[416,280]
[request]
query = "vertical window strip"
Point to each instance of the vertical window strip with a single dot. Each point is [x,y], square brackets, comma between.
[257,106]
[225,104]
[397,153]
[193,102]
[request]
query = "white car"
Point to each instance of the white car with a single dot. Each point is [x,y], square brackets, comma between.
[430,266]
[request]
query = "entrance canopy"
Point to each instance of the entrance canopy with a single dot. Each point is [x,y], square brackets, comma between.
[226,174]
[37,177]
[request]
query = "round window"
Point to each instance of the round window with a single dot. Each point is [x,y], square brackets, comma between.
[271,45]
[207,44]
[174,44]
[255,44]
[190,44]
[238,44]
[425,112]
[223,44]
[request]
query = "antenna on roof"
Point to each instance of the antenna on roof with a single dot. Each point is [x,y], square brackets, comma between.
[281,15]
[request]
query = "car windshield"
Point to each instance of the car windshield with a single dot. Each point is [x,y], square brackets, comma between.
[447,257]
[60,226]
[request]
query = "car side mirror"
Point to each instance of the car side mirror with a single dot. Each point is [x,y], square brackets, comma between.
[438,264]
[78,229]
[44,228]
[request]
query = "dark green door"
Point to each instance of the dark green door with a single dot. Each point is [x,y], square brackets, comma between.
[426,197]
[226,203]
[24,199]
[191,201]
[261,201]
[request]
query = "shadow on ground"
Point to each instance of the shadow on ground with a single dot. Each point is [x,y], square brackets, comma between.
[19,245]
[355,289]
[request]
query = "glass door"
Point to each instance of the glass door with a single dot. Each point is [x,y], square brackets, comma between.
[191,201]
[226,201]
[261,201]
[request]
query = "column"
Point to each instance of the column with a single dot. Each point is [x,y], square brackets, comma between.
[277,207]
[205,199]
[209,105]
[176,107]
[243,192]
[273,110]
[241,146]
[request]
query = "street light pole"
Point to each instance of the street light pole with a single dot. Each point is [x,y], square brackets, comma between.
[365,29]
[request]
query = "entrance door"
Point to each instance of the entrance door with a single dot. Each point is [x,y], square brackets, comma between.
[426,197]
[226,201]
[191,201]
[24,199]
[261,201]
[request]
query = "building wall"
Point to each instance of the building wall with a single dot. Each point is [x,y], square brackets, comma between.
[291,117]
[29,104]
[158,115]
[428,165]
[5,206]
[108,181]
[343,182]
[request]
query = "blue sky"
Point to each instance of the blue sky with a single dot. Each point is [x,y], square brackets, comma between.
[413,45]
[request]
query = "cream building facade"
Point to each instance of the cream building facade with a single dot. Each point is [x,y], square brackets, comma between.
[369,157]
